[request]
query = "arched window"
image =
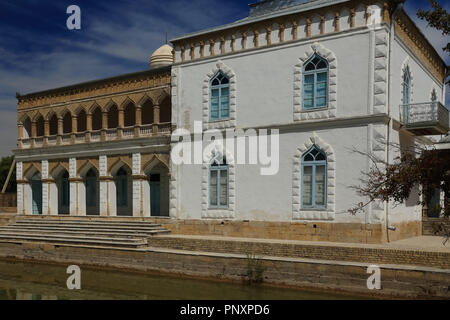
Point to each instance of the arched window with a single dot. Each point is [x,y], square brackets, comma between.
[218,184]
[433,95]
[406,85]
[220,97]
[314,179]
[315,83]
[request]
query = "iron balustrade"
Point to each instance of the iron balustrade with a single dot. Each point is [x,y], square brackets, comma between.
[425,113]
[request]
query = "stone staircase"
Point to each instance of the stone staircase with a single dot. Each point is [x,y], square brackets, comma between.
[99,232]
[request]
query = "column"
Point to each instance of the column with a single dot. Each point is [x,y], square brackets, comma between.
[19,135]
[137,127]
[121,123]
[155,119]
[20,187]
[74,129]
[73,186]
[60,131]
[137,185]
[104,184]
[88,126]
[46,132]
[33,132]
[45,187]
[104,125]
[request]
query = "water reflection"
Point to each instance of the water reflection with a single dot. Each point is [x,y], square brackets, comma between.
[26,281]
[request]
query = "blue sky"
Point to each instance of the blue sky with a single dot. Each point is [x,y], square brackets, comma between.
[38,52]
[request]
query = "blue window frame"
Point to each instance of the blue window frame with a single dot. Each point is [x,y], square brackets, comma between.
[406,86]
[315,83]
[219,97]
[314,179]
[218,185]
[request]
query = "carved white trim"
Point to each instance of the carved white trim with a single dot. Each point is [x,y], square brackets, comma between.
[307,214]
[174,94]
[325,113]
[222,213]
[405,65]
[231,121]
[380,72]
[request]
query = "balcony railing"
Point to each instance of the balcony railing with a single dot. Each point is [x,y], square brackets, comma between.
[147,130]
[428,118]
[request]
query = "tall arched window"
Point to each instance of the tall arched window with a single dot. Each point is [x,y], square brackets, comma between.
[218,184]
[220,97]
[406,86]
[315,83]
[314,179]
[433,95]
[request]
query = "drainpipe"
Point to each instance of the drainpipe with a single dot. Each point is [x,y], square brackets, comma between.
[398,8]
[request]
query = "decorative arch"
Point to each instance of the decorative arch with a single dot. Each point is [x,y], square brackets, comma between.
[30,169]
[36,116]
[146,98]
[79,109]
[56,169]
[330,112]
[63,113]
[94,107]
[86,166]
[114,163]
[406,66]
[125,103]
[117,166]
[153,161]
[163,95]
[51,114]
[231,122]
[314,214]
[222,213]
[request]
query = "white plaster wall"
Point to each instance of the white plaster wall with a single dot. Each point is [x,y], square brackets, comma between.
[409,210]
[265,81]
[422,80]
[270,197]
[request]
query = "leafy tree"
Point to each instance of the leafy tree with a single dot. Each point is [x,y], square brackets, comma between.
[5,164]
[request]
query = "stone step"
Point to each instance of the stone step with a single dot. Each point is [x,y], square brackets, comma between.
[74,237]
[89,223]
[87,232]
[87,226]
[93,228]
[77,241]
[98,219]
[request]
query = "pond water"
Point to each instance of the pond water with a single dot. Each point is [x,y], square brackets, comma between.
[48,282]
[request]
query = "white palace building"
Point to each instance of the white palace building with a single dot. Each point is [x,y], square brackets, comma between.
[330,75]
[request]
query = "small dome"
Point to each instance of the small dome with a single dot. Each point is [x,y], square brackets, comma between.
[161,57]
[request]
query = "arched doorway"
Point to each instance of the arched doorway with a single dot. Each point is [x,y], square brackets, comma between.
[63,193]
[36,192]
[92,193]
[123,192]
[158,193]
